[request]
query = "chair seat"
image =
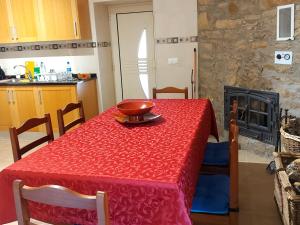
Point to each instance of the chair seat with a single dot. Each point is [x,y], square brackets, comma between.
[212,195]
[216,154]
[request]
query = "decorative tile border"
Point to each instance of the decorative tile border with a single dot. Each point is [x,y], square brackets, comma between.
[104,44]
[52,46]
[176,40]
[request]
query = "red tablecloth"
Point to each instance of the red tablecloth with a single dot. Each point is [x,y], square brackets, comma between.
[149,171]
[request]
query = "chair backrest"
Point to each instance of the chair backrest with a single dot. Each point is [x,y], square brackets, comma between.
[233,170]
[166,90]
[233,116]
[60,117]
[29,124]
[58,196]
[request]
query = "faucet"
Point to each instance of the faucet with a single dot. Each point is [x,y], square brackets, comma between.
[30,74]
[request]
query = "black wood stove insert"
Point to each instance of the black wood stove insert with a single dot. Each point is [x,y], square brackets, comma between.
[258,113]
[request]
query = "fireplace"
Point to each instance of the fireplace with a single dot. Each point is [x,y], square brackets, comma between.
[258,113]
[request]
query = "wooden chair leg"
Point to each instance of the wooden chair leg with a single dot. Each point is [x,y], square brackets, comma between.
[234,218]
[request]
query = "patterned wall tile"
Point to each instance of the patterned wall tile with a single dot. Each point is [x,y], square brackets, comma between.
[176,40]
[51,46]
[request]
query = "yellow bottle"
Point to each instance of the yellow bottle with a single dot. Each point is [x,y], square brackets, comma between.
[29,69]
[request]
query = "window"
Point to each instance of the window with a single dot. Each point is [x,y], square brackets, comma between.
[143,63]
[285,22]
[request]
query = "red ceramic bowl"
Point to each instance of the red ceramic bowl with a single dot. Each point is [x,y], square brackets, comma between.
[135,108]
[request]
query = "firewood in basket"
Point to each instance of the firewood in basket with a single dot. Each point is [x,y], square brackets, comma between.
[297,187]
[293,170]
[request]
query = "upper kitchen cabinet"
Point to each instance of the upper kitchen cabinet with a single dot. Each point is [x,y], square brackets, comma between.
[64,20]
[23,17]
[44,20]
[5,36]
[84,19]
[18,21]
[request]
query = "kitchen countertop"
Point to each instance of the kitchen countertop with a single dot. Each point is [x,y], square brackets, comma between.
[20,82]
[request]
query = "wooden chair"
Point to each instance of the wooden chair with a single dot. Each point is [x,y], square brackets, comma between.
[166,90]
[58,196]
[216,198]
[60,117]
[216,158]
[29,124]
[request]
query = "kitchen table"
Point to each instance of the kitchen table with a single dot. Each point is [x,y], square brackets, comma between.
[149,170]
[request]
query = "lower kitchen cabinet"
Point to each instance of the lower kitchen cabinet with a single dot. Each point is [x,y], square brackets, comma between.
[5,117]
[52,98]
[19,104]
[23,105]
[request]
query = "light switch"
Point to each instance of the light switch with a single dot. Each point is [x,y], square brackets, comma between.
[283,57]
[172,60]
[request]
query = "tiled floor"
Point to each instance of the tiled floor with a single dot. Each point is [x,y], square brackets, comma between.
[6,157]
[257,206]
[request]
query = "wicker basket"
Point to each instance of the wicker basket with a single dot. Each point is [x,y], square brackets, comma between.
[288,201]
[290,136]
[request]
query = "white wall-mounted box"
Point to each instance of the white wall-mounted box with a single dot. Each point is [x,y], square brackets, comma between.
[284,57]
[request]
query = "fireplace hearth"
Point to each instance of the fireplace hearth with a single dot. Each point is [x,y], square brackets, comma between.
[258,113]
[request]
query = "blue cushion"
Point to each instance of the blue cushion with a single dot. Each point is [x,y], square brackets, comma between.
[216,154]
[212,195]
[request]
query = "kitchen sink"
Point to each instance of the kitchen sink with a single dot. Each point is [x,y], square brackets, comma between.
[5,80]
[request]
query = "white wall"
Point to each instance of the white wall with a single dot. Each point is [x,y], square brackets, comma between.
[79,63]
[175,18]
[105,56]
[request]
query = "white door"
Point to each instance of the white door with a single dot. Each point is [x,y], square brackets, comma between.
[136,54]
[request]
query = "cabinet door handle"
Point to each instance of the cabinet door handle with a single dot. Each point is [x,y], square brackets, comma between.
[75,29]
[12,97]
[40,97]
[8,97]
[13,33]
[11,29]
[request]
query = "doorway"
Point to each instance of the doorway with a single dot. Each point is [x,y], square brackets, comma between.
[133,50]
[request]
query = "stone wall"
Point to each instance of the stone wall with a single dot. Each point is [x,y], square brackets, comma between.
[237,40]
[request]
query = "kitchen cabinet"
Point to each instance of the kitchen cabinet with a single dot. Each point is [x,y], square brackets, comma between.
[5,117]
[4,23]
[84,19]
[20,103]
[64,20]
[24,20]
[58,20]
[52,98]
[17,106]
[44,20]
